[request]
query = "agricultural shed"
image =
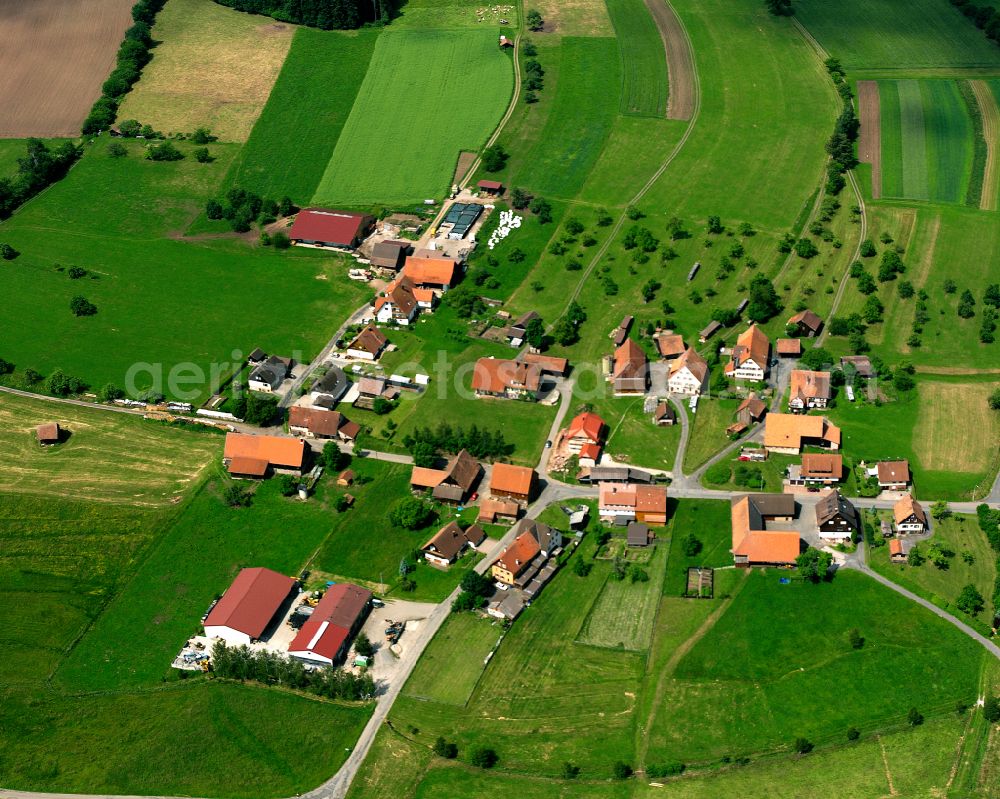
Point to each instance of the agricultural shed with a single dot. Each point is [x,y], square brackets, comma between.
[48,434]
[322,227]
[325,638]
[491,187]
[249,605]
[461,216]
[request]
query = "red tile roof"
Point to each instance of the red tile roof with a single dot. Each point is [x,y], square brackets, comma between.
[588,425]
[510,479]
[492,185]
[251,601]
[47,433]
[430,270]
[893,472]
[495,375]
[329,227]
[331,621]
[519,554]
[276,450]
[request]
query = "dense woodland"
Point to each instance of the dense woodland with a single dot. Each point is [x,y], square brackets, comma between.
[325,14]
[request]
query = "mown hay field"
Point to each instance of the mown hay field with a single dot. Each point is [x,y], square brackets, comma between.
[450,667]
[956,429]
[214,68]
[428,94]
[643,58]
[56,55]
[293,139]
[107,457]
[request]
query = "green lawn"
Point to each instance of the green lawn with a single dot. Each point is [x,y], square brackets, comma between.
[451,666]
[632,436]
[396,146]
[927,140]
[707,520]
[564,150]
[164,303]
[294,138]
[877,34]
[960,534]
[644,62]
[105,457]
[708,430]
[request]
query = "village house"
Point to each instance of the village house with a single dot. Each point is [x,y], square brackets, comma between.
[249,456]
[325,638]
[428,269]
[893,475]
[619,503]
[630,369]
[688,374]
[806,323]
[750,358]
[492,188]
[320,423]
[399,303]
[448,543]
[861,364]
[516,331]
[497,377]
[664,414]
[753,543]
[670,346]
[48,434]
[899,550]
[751,410]
[808,390]
[495,511]
[909,516]
[328,390]
[249,607]
[515,559]
[549,364]
[817,468]
[788,433]
[368,345]
[836,518]
[322,227]
[788,347]
[268,375]
[371,387]
[453,484]
[638,534]
[389,254]
[615,474]
[585,436]
[512,482]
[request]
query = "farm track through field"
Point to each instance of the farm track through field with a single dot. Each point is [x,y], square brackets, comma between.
[991,133]
[616,229]
[682,77]
[870,138]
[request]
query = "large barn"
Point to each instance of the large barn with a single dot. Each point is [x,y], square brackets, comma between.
[322,227]
[249,606]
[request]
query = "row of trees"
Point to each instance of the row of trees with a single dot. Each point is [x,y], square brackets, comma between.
[133,55]
[271,668]
[324,14]
[425,444]
[40,167]
[242,208]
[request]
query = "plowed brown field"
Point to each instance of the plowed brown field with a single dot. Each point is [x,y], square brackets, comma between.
[680,60]
[870,136]
[54,56]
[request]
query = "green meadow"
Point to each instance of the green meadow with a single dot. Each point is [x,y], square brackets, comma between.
[399,145]
[644,64]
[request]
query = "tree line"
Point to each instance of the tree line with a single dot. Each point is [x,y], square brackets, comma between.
[325,14]
[270,668]
[133,55]
[424,444]
[986,18]
[39,168]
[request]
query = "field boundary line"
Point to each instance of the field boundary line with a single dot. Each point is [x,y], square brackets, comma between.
[990,116]
[616,229]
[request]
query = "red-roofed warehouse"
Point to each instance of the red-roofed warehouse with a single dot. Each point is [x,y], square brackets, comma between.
[326,637]
[249,605]
[321,227]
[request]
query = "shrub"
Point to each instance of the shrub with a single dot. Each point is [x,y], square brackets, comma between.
[914,717]
[446,749]
[8,253]
[165,151]
[483,757]
[691,545]
[803,746]
[853,733]
[81,306]
[621,770]
[237,496]
[202,156]
[665,769]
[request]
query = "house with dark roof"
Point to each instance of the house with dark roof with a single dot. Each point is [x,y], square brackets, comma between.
[861,364]
[321,423]
[330,387]
[664,414]
[250,606]
[454,483]
[325,638]
[268,375]
[836,517]
[448,543]
[638,535]
[630,369]
[751,410]
[806,323]
[909,516]
[390,254]
[518,329]
[323,227]
[754,543]
[495,511]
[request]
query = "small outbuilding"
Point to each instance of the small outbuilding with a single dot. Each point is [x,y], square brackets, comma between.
[494,188]
[48,434]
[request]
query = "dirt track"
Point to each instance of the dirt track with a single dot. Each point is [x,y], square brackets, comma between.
[870,138]
[991,132]
[680,60]
[56,55]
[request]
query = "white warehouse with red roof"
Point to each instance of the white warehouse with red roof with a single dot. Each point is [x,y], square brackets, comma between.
[249,606]
[326,638]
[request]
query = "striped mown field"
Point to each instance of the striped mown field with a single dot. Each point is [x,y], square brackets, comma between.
[927,140]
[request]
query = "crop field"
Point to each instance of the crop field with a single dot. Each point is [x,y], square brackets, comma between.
[57,53]
[766,102]
[950,447]
[161,300]
[623,615]
[313,96]
[576,17]
[960,534]
[876,34]
[214,68]
[565,151]
[643,59]
[926,140]
[450,667]
[988,133]
[397,145]
[106,457]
